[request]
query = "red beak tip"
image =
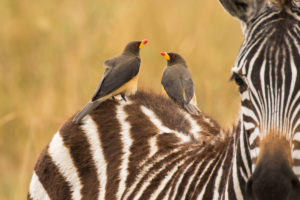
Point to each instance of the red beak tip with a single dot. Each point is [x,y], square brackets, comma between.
[145,41]
[162,53]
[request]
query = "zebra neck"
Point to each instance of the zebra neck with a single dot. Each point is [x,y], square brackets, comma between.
[241,165]
[225,169]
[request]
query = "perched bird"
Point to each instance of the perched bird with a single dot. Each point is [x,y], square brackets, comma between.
[119,77]
[178,84]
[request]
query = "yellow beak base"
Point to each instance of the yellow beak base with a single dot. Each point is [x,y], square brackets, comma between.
[167,56]
[143,43]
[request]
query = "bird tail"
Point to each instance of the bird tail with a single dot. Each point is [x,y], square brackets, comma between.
[192,109]
[86,110]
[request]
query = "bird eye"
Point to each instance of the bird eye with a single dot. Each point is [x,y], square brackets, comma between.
[137,45]
[238,79]
[173,56]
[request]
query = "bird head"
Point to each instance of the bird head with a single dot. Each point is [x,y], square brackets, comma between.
[134,47]
[172,58]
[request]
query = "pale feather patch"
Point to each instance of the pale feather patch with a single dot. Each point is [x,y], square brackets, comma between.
[194,100]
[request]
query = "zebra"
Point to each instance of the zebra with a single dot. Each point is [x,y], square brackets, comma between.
[150,148]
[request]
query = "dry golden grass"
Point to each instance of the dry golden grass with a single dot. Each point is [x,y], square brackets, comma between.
[51,61]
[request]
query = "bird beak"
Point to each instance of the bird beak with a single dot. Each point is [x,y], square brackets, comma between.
[165,54]
[143,43]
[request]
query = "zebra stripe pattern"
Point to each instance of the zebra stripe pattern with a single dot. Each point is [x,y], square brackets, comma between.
[150,148]
[143,157]
[267,63]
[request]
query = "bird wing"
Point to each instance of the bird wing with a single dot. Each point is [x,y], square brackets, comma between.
[112,61]
[105,73]
[178,85]
[188,86]
[109,64]
[117,76]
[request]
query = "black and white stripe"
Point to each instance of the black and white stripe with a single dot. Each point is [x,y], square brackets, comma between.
[149,148]
[152,161]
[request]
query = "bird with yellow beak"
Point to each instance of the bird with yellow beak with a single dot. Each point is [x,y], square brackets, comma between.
[119,77]
[178,84]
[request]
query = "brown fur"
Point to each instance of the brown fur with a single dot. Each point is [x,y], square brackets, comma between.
[282,3]
[273,177]
[175,120]
[142,129]
[273,145]
[75,140]
[49,176]
[109,133]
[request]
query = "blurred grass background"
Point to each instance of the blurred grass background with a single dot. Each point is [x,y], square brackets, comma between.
[51,55]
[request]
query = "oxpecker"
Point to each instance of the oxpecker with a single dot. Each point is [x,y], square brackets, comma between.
[119,77]
[178,84]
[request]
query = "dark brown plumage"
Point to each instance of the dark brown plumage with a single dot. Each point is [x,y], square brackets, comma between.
[119,77]
[177,82]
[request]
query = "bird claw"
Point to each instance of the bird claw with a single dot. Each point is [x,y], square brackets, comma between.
[123,97]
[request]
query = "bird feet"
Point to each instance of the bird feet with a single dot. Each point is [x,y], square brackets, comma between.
[123,97]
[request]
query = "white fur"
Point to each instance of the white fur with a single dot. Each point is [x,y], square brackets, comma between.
[90,129]
[196,129]
[180,180]
[153,146]
[62,159]
[253,136]
[166,179]
[296,154]
[203,189]
[254,152]
[297,137]
[218,179]
[127,143]
[36,190]
[191,178]
[163,129]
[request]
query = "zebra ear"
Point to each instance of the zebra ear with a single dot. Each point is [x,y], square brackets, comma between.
[245,10]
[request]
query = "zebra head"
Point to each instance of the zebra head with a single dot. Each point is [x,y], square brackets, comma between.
[267,71]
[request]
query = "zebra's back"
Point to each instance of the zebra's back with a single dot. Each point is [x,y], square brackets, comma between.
[153,151]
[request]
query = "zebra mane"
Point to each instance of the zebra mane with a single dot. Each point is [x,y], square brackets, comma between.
[281,3]
[171,114]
